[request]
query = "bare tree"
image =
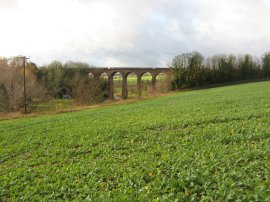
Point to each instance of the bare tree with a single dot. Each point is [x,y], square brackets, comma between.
[11,84]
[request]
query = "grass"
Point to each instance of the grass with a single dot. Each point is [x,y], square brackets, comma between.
[209,145]
[52,105]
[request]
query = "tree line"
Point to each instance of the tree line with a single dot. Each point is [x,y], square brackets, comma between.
[193,70]
[51,81]
[57,79]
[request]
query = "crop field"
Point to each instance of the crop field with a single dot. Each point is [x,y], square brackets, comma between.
[204,145]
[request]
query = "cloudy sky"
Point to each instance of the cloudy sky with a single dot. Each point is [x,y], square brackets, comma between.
[131,32]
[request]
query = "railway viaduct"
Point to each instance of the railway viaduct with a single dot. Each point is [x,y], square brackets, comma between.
[97,72]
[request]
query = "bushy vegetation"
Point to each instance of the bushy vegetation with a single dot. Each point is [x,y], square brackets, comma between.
[72,79]
[209,145]
[192,70]
[48,82]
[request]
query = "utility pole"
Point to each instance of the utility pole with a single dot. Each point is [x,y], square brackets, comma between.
[24,58]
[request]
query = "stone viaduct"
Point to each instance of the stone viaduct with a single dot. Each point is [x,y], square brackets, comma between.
[96,73]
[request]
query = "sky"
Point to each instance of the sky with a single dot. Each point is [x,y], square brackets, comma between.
[131,33]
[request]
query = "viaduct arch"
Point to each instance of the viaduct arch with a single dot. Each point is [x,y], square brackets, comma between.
[96,73]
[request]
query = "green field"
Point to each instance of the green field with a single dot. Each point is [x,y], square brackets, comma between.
[51,105]
[209,145]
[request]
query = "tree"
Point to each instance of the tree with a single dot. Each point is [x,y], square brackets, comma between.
[11,84]
[4,99]
[187,68]
[195,66]
[179,65]
[266,65]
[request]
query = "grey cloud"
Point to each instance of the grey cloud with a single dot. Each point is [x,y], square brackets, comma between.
[167,28]
[152,32]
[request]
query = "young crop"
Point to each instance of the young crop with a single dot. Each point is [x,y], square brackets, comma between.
[205,145]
